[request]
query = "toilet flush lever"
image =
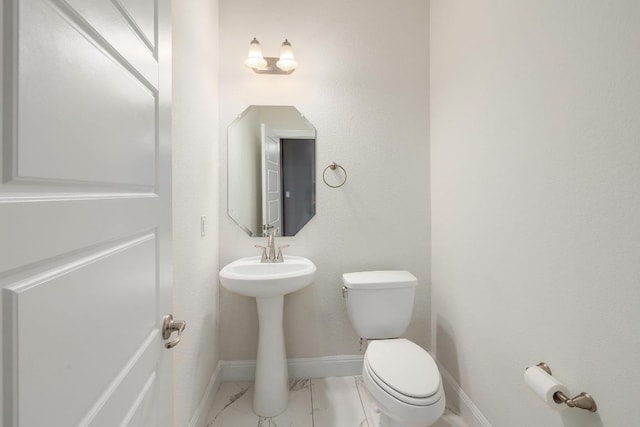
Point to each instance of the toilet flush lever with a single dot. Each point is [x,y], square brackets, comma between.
[169,326]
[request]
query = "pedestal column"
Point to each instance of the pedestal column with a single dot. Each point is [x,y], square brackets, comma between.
[271,386]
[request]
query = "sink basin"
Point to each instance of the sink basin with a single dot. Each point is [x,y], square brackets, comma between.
[250,277]
[269,283]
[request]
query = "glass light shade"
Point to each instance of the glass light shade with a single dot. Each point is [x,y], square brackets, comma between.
[255,58]
[287,61]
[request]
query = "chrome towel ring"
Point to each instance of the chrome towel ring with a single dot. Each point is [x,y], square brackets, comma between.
[334,166]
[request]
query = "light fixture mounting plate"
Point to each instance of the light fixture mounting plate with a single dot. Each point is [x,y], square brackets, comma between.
[271,67]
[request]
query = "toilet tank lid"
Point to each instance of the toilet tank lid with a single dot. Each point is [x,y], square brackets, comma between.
[379,279]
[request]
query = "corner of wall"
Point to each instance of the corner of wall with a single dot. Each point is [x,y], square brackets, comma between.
[195,194]
[460,403]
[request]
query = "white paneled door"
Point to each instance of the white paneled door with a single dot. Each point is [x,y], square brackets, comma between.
[85,212]
[271,179]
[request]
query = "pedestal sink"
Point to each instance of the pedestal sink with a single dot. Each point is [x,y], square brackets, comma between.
[269,283]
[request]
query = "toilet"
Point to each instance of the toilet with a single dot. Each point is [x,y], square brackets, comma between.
[401,377]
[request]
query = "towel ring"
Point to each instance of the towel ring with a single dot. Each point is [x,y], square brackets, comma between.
[334,166]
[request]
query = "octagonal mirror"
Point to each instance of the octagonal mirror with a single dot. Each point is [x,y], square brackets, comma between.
[271,156]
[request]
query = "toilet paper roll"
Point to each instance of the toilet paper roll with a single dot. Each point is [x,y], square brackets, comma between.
[545,386]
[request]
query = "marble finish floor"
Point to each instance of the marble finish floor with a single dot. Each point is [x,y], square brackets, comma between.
[317,402]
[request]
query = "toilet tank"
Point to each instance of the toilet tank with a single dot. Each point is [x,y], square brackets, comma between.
[379,303]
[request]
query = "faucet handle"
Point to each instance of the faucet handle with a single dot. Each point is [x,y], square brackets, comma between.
[264,252]
[279,257]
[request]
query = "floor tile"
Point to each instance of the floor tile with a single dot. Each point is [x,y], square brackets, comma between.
[323,402]
[336,403]
[369,406]
[449,419]
[298,412]
[232,406]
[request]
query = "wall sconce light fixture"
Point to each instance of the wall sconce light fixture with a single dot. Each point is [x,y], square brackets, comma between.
[286,64]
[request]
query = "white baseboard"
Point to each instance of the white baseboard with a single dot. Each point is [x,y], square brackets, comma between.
[468,410]
[327,366]
[202,410]
[311,367]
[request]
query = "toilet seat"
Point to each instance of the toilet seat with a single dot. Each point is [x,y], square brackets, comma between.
[404,371]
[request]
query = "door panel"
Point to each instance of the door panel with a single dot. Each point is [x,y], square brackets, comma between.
[115,140]
[142,14]
[85,213]
[271,177]
[116,25]
[68,348]
[143,412]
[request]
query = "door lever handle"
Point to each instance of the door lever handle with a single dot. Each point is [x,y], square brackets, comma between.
[169,326]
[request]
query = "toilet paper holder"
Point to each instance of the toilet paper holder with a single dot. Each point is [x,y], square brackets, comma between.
[582,401]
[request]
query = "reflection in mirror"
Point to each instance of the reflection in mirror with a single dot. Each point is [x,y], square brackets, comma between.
[271,170]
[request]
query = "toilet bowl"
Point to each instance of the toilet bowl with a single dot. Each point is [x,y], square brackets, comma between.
[404,381]
[401,377]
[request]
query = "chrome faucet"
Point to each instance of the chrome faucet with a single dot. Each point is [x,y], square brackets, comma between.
[269,253]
